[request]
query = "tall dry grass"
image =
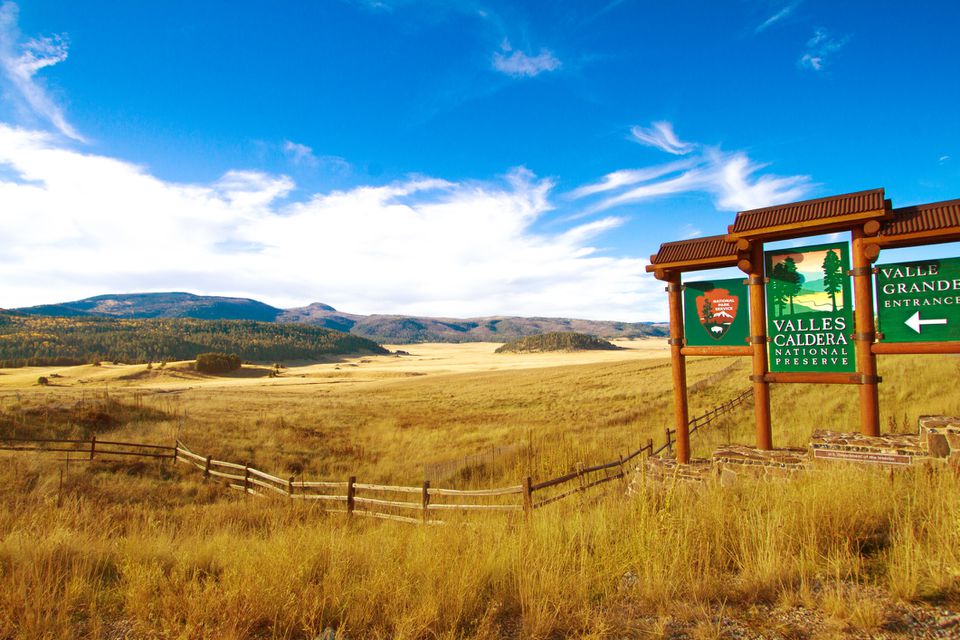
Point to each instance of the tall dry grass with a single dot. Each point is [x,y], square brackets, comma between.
[163,556]
[146,550]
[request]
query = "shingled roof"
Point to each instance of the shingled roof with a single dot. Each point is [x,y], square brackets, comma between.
[710,251]
[814,215]
[922,221]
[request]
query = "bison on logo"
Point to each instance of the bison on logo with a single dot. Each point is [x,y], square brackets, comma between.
[717,310]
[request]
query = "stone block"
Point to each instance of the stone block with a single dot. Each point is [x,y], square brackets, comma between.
[953,439]
[937,444]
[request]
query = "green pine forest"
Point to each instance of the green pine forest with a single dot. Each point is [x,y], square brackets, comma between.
[41,341]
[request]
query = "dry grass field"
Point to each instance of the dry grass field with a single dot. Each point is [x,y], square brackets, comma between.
[148,550]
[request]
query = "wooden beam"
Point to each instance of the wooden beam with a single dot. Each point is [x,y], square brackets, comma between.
[680,410]
[865,334]
[717,351]
[909,348]
[758,346]
[695,265]
[920,238]
[807,228]
[812,378]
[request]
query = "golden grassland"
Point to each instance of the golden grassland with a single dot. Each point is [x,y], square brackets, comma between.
[146,550]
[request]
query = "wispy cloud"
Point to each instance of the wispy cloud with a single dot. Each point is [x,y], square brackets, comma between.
[820,48]
[303,156]
[661,136]
[299,153]
[943,159]
[20,60]
[420,246]
[520,64]
[776,17]
[732,179]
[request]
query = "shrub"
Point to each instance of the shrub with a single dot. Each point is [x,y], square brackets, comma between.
[43,381]
[216,362]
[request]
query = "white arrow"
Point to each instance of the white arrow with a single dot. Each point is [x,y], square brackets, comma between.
[915,323]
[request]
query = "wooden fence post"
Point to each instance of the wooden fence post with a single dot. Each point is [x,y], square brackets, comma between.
[527,496]
[669,443]
[351,493]
[176,450]
[290,486]
[93,446]
[623,473]
[206,469]
[425,500]
[580,476]
[649,447]
[246,479]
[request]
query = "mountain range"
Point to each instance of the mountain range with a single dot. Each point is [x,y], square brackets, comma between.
[393,329]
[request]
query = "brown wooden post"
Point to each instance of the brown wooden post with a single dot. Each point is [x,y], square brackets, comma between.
[206,468]
[351,493]
[865,336]
[93,446]
[246,479]
[527,496]
[425,499]
[176,450]
[623,473]
[290,486]
[649,447]
[758,340]
[680,410]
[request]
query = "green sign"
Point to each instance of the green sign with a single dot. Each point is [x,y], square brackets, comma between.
[716,312]
[919,301]
[809,309]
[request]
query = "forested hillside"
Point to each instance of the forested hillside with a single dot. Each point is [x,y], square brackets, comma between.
[557,341]
[37,340]
[390,329]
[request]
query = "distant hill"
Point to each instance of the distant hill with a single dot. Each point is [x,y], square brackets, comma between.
[160,305]
[36,340]
[557,341]
[394,329]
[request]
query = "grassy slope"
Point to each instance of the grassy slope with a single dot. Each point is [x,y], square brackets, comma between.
[162,552]
[556,341]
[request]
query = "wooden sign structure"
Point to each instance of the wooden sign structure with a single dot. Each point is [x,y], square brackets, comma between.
[873,225]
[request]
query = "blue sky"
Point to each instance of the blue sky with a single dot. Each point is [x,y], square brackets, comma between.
[446,158]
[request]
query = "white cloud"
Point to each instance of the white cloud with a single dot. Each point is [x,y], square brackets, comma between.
[520,64]
[77,224]
[734,181]
[820,48]
[775,18]
[20,62]
[944,158]
[661,136]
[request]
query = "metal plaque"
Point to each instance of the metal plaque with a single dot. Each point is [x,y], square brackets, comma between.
[919,301]
[809,309]
[716,312]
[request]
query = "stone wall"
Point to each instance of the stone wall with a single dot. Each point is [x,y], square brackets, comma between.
[891,449]
[940,436]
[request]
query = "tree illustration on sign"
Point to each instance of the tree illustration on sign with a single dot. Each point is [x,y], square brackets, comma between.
[832,276]
[706,311]
[792,280]
[777,291]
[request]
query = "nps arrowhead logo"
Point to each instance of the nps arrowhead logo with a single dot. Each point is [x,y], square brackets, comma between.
[717,309]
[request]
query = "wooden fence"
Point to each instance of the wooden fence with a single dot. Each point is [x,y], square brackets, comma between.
[412,504]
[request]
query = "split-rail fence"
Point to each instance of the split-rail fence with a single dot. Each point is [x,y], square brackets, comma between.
[413,504]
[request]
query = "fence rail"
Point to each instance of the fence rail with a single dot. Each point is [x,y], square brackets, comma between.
[431,499]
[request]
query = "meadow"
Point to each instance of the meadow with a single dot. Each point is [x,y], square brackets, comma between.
[148,550]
